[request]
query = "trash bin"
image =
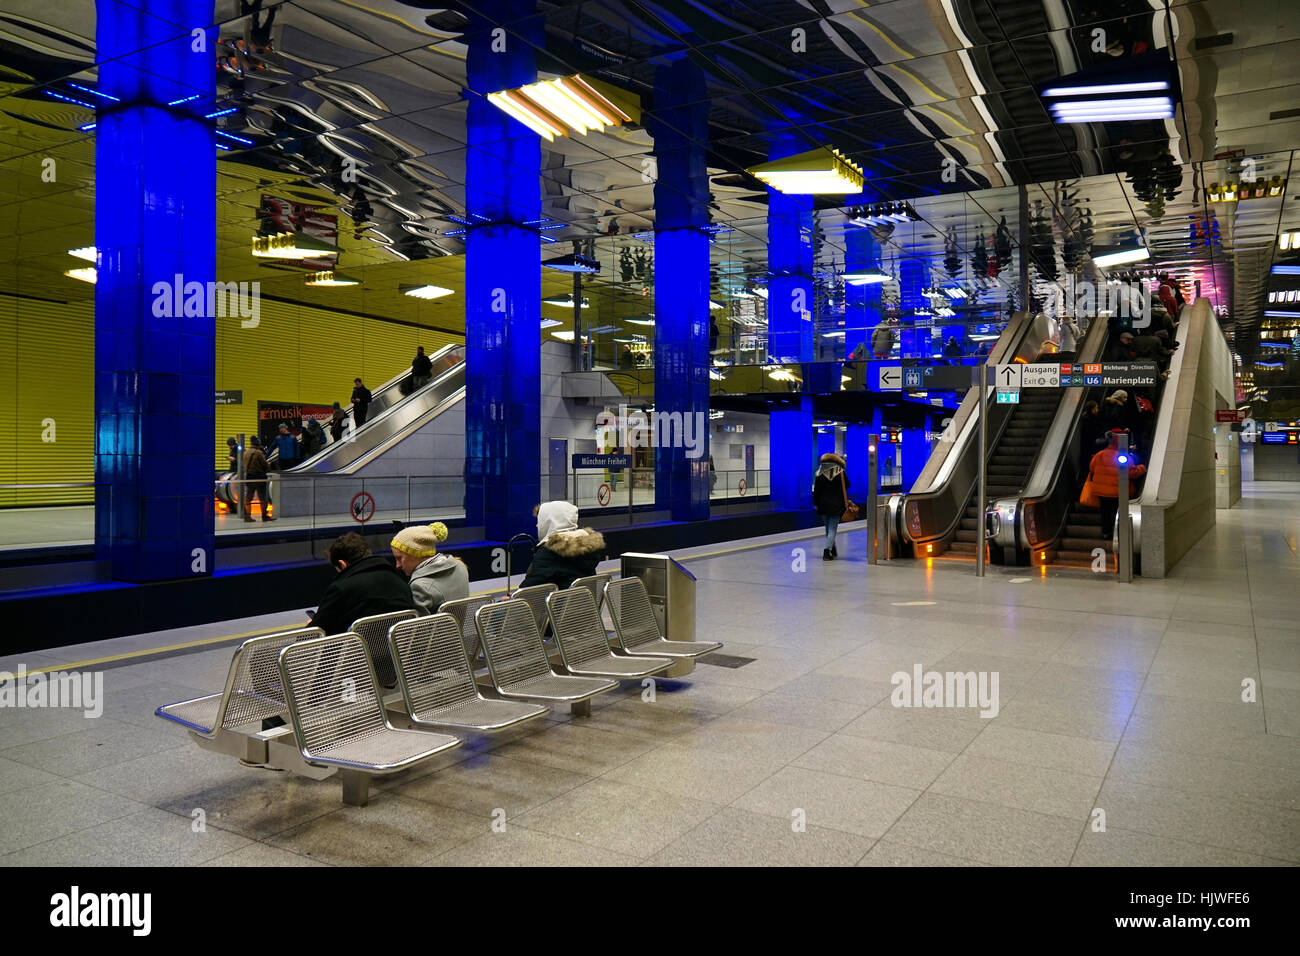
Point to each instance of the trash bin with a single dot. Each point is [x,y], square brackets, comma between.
[672,596]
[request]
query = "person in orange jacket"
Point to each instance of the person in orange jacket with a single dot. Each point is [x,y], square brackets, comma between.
[1104,474]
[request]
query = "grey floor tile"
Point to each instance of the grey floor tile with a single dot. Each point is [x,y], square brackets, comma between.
[849,690]
[1197,818]
[1051,751]
[51,810]
[1056,792]
[879,760]
[1066,718]
[696,692]
[735,837]
[150,837]
[259,854]
[1119,847]
[101,743]
[780,707]
[764,740]
[1203,773]
[637,717]
[916,728]
[391,830]
[696,773]
[619,817]
[829,800]
[490,782]
[516,845]
[18,776]
[986,832]
[577,748]
[889,853]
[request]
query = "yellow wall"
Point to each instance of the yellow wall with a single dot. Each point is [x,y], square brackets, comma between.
[297,353]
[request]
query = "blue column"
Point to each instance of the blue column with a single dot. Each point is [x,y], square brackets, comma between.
[913,343]
[679,125]
[916,452]
[155,222]
[792,454]
[862,310]
[502,279]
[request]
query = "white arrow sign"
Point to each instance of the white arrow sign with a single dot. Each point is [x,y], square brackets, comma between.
[889,377]
[1008,376]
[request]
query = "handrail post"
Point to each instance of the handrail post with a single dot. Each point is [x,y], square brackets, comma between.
[873,484]
[1125,557]
[981,412]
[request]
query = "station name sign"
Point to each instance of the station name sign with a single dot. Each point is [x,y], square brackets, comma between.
[602,461]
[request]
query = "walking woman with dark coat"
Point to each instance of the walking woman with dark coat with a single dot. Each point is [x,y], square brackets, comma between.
[830,498]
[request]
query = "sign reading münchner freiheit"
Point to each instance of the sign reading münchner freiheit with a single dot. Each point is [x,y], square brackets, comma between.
[602,461]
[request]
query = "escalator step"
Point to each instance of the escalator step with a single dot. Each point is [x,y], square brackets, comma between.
[1083,530]
[1083,544]
[962,547]
[970,536]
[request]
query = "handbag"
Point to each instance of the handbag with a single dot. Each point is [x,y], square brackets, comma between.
[1088,496]
[850,509]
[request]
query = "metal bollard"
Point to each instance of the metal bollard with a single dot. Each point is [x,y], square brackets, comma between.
[1125,522]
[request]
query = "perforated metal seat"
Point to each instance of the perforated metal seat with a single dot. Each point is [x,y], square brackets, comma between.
[584,646]
[336,708]
[517,658]
[437,680]
[253,690]
[595,583]
[463,610]
[535,597]
[374,631]
[636,628]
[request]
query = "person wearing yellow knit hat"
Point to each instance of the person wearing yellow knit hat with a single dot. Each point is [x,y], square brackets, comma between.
[435,577]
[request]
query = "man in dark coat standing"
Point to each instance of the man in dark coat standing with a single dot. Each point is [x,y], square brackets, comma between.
[360,402]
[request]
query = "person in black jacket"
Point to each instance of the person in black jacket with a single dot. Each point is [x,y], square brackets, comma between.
[564,551]
[421,368]
[360,402]
[367,584]
[830,498]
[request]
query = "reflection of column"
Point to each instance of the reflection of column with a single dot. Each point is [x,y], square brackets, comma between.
[679,126]
[861,303]
[913,343]
[502,279]
[790,330]
[155,222]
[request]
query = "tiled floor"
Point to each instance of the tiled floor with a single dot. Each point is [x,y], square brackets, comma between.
[1121,736]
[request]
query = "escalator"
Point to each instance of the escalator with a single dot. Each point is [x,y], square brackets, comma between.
[1010,461]
[392,416]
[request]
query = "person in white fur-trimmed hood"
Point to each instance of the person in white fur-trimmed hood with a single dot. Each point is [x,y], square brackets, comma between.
[435,578]
[564,551]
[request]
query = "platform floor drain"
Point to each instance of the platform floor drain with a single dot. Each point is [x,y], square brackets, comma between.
[726,660]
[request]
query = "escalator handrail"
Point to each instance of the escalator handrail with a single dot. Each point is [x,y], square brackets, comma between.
[394,382]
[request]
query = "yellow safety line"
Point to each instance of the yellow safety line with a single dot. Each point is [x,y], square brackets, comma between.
[203,642]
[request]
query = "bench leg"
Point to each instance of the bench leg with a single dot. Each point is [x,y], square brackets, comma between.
[581,709]
[356,787]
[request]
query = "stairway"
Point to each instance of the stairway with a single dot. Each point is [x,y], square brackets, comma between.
[1010,461]
[1082,535]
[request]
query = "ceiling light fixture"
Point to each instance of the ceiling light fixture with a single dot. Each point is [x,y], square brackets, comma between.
[866,277]
[550,323]
[1117,256]
[820,170]
[291,245]
[88,274]
[85,252]
[569,104]
[566,302]
[1138,88]
[425,291]
[883,212]
[331,278]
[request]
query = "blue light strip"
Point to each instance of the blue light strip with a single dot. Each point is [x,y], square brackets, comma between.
[69,99]
[237,139]
[86,89]
[225,112]
[185,99]
[1286,270]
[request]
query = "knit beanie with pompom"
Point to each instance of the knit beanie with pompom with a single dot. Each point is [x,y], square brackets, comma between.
[421,541]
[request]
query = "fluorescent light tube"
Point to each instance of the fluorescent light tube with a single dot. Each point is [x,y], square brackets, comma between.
[1107,88]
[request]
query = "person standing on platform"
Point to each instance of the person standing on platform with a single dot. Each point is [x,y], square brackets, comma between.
[421,368]
[255,480]
[831,498]
[360,402]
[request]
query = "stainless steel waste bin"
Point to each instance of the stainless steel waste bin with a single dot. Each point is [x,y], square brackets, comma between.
[672,595]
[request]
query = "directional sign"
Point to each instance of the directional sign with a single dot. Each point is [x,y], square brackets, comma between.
[1270,426]
[889,377]
[1008,397]
[913,378]
[1009,376]
[1230,414]
[602,461]
[1139,374]
[1041,376]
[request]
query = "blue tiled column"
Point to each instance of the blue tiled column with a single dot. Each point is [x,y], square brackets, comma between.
[789,297]
[502,280]
[155,220]
[913,343]
[861,303]
[679,126]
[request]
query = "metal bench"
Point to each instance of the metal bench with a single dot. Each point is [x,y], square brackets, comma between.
[595,583]
[437,679]
[337,713]
[231,722]
[464,611]
[637,629]
[518,663]
[374,631]
[584,645]
[535,597]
